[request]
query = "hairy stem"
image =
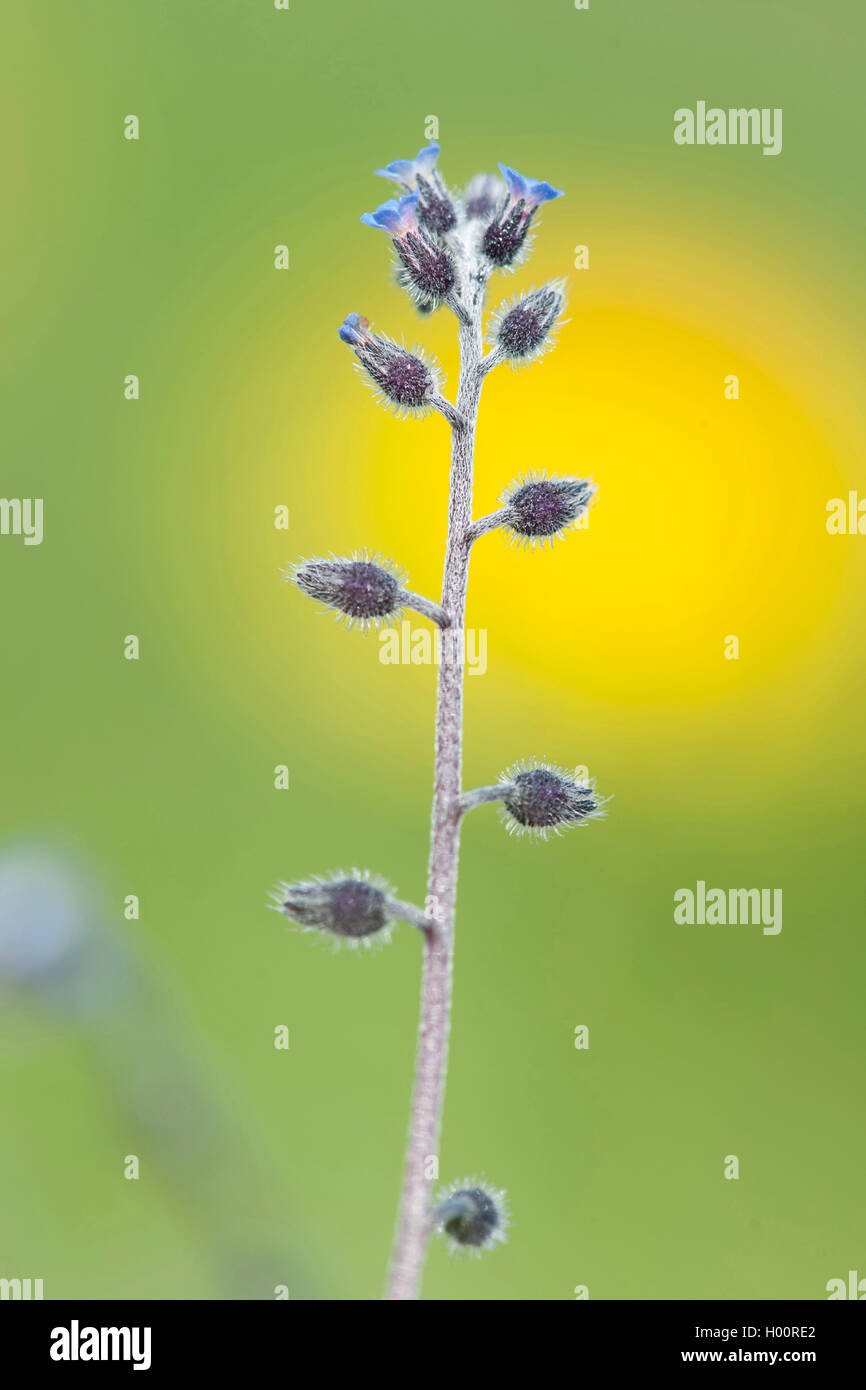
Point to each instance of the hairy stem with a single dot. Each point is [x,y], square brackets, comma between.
[408,912]
[488,523]
[413,1227]
[481,796]
[424,606]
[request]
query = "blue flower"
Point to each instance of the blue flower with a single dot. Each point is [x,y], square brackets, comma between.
[396,217]
[531,191]
[426,269]
[353,329]
[505,236]
[406,171]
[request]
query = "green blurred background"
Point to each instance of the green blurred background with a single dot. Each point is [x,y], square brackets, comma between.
[155,257]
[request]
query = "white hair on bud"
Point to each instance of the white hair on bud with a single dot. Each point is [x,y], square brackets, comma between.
[472,1215]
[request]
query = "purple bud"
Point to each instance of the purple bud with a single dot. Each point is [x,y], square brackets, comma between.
[543,508]
[522,328]
[435,208]
[504,237]
[352,906]
[426,269]
[406,381]
[473,1215]
[541,799]
[362,589]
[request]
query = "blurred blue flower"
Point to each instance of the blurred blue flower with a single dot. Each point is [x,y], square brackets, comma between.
[531,191]
[396,217]
[504,238]
[406,171]
[353,329]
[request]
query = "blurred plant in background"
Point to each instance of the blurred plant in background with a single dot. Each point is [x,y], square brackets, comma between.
[58,953]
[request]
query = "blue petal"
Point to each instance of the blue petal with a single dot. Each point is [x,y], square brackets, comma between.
[532,191]
[350,329]
[399,169]
[427,157]
[543,192]
[516,184]
[406,170]
[393,214]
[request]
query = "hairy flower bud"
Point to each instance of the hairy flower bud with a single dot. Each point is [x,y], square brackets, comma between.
[353,907]
[541,508]
[361,588]
[482,197]
[504,236]
[523,328]
[435,210]
[472,1215]
[406,382]
[540,799]
[425,269]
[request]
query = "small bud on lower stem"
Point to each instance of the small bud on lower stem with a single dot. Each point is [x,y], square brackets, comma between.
[523,328]
[541,508]
[541,799]
[363,589]
[406,381]
[472,1215]
[351,906]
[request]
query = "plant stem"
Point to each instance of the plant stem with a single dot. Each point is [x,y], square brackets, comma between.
[480,796]
[424,606]
[414,1224]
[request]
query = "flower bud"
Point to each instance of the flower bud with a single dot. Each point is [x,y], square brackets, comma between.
[522,329]
[472,1215]
[504,236]
[361,588]
[425,269]
[542,508]
[353,906]
[405,382]
[482,197]
[435,210]
[541,799]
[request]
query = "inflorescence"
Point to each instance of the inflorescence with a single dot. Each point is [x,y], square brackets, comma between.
[446,247]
